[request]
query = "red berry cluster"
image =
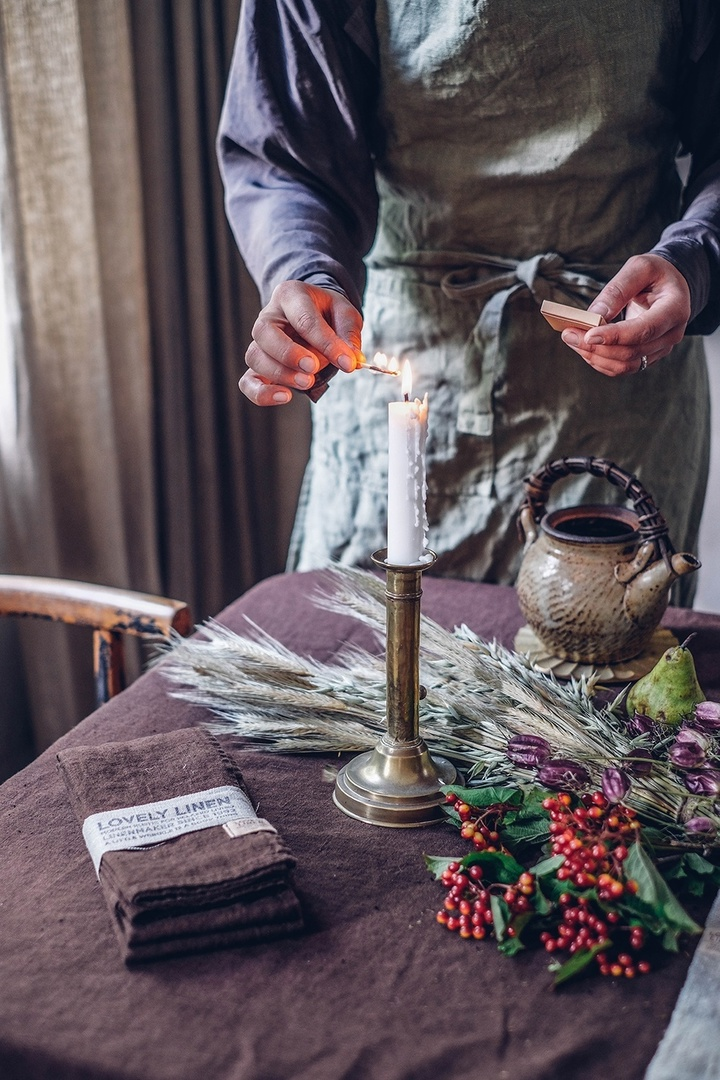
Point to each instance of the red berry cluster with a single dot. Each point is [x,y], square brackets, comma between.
[467,904]
[480,826]
[593,838]
[592,835]
[581,927]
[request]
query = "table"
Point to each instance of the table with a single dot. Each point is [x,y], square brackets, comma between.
[373,990]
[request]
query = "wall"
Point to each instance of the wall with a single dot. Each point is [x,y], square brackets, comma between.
[708,594]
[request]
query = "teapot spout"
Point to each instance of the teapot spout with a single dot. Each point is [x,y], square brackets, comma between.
[647,592]
[684,563]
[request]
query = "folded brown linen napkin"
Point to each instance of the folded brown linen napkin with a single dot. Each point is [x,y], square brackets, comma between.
[201,889]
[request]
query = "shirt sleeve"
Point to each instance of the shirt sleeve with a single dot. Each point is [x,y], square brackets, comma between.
[295,142]
[692,244]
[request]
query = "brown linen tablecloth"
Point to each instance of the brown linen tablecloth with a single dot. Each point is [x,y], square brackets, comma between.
[373,990]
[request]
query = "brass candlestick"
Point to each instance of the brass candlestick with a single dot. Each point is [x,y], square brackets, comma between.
[398,783]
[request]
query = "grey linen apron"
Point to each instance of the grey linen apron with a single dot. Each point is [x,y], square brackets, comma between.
[529,152]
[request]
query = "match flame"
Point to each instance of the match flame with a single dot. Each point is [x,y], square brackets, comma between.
[385,363]
[406,380]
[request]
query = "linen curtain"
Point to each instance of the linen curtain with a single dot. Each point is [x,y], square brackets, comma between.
[127,454]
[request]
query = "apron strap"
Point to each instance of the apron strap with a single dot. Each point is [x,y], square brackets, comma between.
[495,280]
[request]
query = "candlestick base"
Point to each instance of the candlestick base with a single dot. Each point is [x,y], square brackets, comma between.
[396,785]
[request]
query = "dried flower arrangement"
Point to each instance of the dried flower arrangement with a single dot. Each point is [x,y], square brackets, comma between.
[542,762]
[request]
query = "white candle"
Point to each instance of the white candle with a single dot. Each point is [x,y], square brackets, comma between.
[407,488]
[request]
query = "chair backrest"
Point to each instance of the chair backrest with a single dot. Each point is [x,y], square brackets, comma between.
[111,613]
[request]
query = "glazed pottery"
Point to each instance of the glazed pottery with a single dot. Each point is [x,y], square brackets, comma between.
[594,581]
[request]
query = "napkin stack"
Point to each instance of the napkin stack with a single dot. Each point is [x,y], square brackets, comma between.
[201,890]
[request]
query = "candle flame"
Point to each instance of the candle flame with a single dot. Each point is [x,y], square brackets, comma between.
[406,380]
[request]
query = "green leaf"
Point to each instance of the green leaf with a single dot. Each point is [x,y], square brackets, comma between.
[452,815]
[529,824]
[510,946]
[553,889]
[692,873]
[486,796]
[654,891]
[699,865]
[501,917]
[535,796]
[670,940]
[437,864]
[676,872]
[497,867]
[577,962]
[641,914]
[547,887]
[526,832]
[543,903]
[547,866]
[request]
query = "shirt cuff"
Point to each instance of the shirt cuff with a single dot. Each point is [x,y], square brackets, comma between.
[691,248]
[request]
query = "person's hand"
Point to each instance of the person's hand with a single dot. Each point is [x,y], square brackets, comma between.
[656,299]
[298,333]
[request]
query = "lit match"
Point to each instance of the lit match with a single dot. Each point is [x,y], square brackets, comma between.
[381,364]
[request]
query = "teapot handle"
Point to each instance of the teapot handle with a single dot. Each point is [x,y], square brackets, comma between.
[652,525]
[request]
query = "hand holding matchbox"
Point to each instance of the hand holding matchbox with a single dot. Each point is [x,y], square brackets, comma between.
[563,316]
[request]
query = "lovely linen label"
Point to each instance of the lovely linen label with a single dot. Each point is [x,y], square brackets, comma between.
[142,826]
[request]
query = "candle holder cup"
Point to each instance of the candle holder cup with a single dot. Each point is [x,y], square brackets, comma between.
[398,783]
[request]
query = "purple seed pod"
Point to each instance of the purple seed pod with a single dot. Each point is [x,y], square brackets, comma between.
[686,757]
[688,736]
[700,825]
[640,725]
[530,750]
[705,782]
[639,762]
[707,717]
[689,749]
[561,773]
[615,784]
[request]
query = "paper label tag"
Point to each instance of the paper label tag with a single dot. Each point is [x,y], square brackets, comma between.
[243,826]
[143,826]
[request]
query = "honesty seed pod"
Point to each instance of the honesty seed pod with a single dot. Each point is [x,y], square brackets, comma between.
[689,749]
[707,716]
[639,762]
[560,773]
[700,825]
[641,725]
[530,750]
[704,782]
[615,784]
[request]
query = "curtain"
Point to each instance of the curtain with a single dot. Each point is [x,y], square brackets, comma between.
[236,467]
[127,454]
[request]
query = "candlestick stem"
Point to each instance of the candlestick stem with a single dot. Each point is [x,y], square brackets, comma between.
[398,783]
[402,594]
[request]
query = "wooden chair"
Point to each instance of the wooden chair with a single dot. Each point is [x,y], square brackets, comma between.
[111,613]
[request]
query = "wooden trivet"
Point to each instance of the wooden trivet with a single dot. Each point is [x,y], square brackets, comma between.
[527,643]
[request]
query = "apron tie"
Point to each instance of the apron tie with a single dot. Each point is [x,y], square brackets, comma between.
[495,280]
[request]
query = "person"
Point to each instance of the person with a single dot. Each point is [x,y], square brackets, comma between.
[442,168]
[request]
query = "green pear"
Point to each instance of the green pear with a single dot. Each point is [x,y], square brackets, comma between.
[669,692]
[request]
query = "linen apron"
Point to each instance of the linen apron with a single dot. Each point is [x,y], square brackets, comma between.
[529,151]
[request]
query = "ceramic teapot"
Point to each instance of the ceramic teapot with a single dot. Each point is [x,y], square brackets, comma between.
[594,580]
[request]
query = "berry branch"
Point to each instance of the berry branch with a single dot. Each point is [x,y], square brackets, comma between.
[595,898]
